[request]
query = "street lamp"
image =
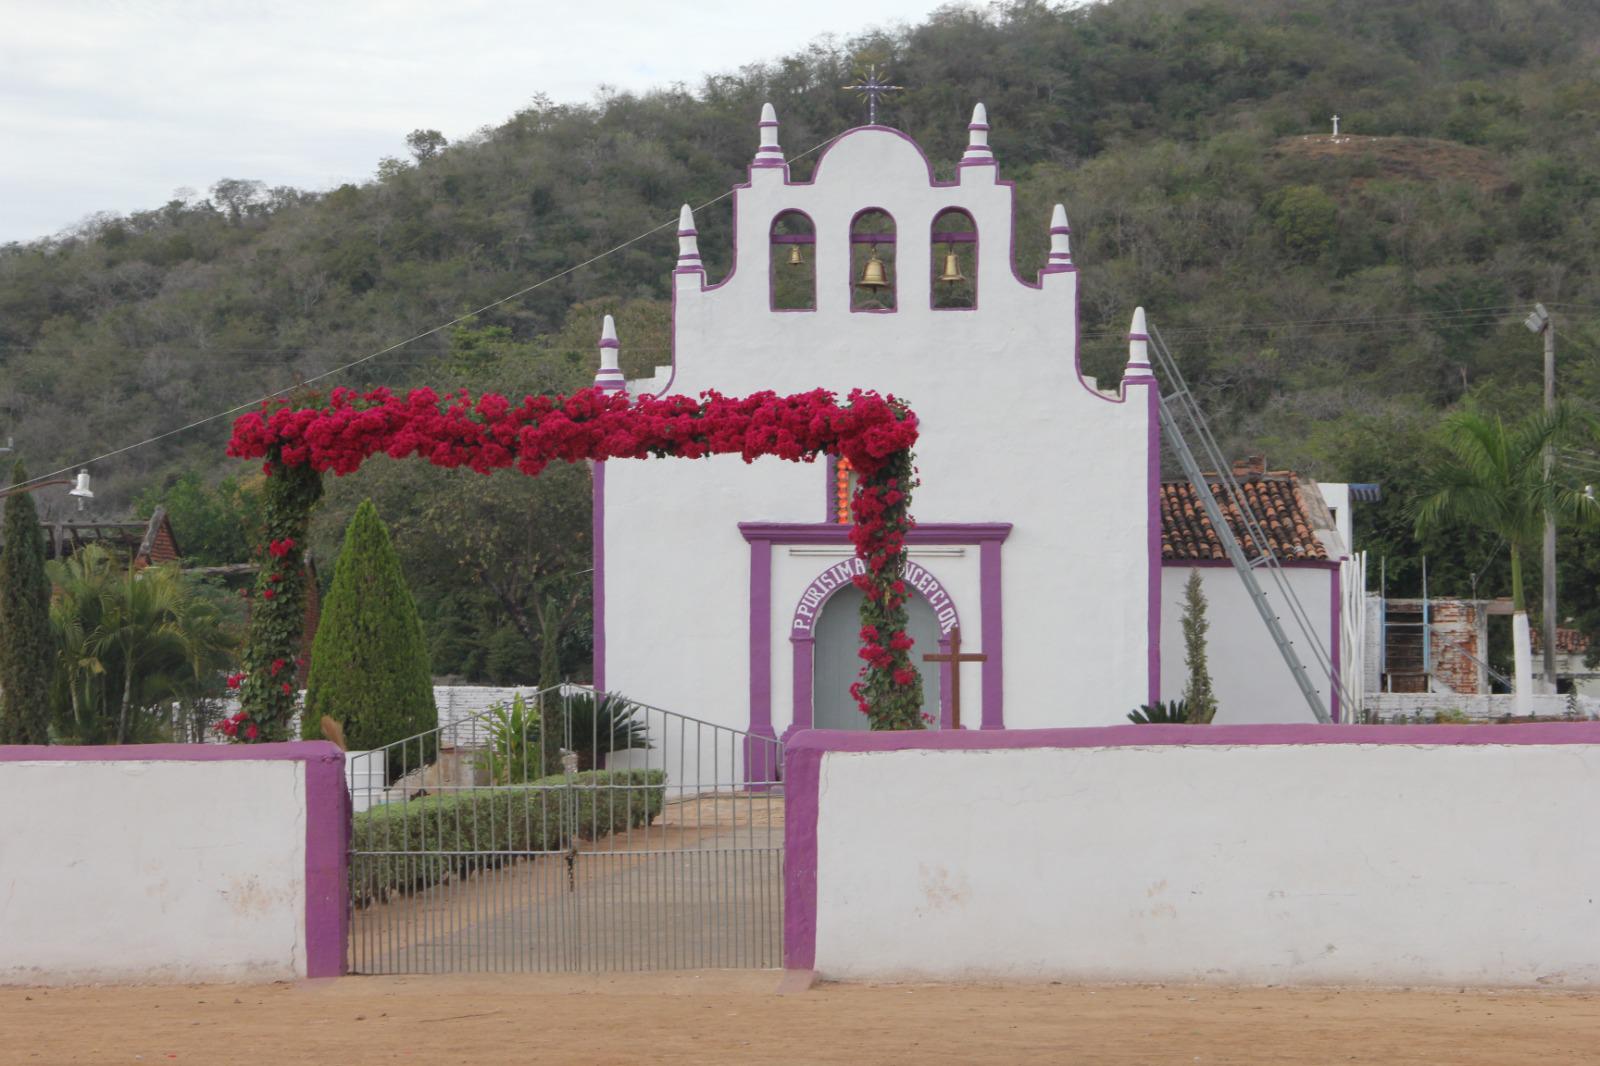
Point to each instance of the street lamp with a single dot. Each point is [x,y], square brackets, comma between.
[80,487]
[1541,322]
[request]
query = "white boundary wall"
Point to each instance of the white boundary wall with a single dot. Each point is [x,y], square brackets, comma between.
[153,868]
[1401,862]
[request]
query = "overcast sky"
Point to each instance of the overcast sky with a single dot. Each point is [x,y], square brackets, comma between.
[111,105]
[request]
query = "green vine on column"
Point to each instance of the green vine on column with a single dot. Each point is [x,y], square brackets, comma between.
[266,686]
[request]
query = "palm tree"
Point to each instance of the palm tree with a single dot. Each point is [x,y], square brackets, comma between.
[129,642]
[1493,476]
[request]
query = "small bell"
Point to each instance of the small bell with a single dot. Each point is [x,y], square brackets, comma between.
[873,275]
[795,258]
[952,268]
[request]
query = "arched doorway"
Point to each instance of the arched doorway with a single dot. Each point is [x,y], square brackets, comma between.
[837,662]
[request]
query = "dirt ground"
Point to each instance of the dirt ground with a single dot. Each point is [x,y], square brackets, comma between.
[735,1017]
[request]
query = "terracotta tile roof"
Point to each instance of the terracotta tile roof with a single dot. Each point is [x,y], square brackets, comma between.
[1274,499]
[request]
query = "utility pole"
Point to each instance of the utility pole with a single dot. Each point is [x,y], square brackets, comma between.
[1541,322]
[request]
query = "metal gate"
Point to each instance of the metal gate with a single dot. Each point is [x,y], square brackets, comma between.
[644,840]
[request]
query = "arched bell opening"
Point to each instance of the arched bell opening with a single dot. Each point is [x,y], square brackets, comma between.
[953,280]
[873,276]
[792,262]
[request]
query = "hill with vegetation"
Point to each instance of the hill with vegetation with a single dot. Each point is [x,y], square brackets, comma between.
[1327,299]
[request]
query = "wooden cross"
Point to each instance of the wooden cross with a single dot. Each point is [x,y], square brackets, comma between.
[955,659]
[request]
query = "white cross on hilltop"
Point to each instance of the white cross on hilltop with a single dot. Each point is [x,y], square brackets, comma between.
[1336,125]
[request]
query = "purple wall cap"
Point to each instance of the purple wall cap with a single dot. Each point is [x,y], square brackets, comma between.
[1151,736]
[327,820]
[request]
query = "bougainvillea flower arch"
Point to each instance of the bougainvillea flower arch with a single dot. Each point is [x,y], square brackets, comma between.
[301,441]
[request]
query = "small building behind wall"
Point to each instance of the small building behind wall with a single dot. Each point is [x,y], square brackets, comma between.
[1251,681]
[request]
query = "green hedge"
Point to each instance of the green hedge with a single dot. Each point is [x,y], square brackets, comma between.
[424,841]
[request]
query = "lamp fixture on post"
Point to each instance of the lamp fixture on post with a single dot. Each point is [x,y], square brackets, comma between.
[81,489]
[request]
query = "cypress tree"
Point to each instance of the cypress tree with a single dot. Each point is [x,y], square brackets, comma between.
[369,661]
[1197,694]
[27,648]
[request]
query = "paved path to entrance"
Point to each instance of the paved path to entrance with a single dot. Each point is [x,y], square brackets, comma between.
[733,1017]
[701,887]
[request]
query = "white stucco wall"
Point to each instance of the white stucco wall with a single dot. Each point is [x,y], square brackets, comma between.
[1248,674]
[1234,864]
[131,871]
[1010,433]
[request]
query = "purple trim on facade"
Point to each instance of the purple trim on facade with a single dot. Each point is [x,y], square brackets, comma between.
[989,162]
[1060,229]
[772,266]
[804,754]
[688,233]
[802,781]
[769,164]
[763,536]
[968,237]
[992,678]
[1138,337]
[598,545]
[609,342]
[834,533]
[873,238]
[327,814]
[802,638]
[1335,618]
[756,753]
[1063,268]
[686,270]
[977,125]
[893,274]
[1153,540]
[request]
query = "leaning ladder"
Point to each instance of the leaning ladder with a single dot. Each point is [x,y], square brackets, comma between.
[1181,420]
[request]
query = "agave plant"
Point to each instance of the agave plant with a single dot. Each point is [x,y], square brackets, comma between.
[1173,712]
[603,722]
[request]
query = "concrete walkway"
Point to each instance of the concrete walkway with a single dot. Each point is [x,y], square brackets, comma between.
[699,888]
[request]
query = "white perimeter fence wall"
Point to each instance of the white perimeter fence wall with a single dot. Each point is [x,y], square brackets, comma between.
[172,863]
[1429,855]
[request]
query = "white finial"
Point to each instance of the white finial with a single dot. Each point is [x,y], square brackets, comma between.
[688,243]
[1138,349]
[610,375]
[769,154]
[1060,242]
[978,153]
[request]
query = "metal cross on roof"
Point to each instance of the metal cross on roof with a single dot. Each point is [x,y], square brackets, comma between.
[871,88]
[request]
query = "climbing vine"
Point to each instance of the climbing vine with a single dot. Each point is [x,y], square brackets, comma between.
[299,442]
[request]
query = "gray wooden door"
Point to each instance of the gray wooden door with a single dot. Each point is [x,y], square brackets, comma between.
[838,639]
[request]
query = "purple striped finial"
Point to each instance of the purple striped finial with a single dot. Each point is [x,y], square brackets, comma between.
[609,376]
[688,244]
[978,153]
[1060,261]
[769,154]
[1138,368]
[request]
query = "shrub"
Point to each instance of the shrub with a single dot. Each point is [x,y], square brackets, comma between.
[514,753]
[426,841]
[1173,712]
[26,651]
[369,661]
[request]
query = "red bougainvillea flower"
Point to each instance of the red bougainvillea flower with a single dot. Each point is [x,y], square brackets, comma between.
[234,680]
[287,688]
[251,731]
[269,593]
[279,548]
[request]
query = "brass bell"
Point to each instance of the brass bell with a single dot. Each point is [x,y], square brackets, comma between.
[952,269]
[874,275]
[794,256]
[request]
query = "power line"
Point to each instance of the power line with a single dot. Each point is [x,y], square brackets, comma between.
[672,224]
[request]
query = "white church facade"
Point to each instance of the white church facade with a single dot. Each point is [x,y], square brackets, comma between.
[722,588]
